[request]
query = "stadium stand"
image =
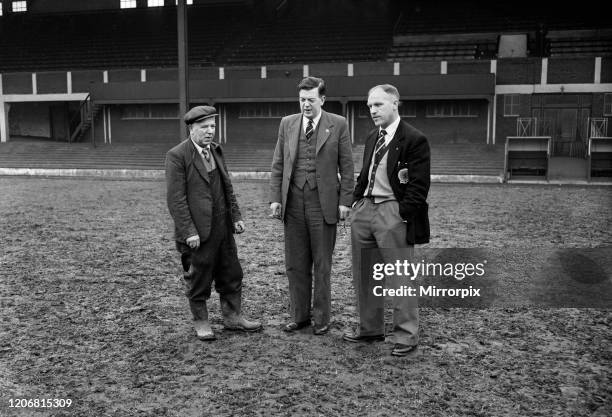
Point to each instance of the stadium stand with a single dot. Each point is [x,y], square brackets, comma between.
[293,39]
[31,153]
[470,30]
[240,37]
[126,38]
[580,43]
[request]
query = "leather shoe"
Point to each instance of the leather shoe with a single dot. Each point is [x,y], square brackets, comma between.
[320,331]
[402,350]
[293,326]
[356,337]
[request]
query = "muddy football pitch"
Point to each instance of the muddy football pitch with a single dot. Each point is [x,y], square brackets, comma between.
[93,311]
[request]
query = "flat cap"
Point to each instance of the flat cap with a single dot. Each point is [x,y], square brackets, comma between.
[199,113]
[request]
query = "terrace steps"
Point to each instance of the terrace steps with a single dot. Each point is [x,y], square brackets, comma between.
[447,159]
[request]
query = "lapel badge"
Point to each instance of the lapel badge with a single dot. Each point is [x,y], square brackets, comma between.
[403,176]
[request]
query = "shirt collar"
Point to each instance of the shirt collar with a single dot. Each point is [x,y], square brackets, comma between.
[391,129]
[315,121]
[198,147]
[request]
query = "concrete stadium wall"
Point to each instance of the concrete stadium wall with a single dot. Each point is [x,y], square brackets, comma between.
[17,83]
[30,119]
[606,69]
[259,129]
[265,130]
[51,82]
[420,79]
[82,80]
[55,6]
[438,130]
[571,70]
[251,130]
[475,67]
[420,67]
[452,129]
[126,131]
[43,120]
[506,125]
[518,71]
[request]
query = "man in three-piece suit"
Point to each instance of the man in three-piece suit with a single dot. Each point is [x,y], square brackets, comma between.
[306,192]
[390,216]
[203,206]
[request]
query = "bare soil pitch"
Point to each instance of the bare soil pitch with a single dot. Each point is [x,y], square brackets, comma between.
[92,309]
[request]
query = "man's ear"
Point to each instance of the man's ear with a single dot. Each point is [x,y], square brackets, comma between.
[322,100]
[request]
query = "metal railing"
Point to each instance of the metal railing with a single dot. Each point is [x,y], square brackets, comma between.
[78,120]
[598,127]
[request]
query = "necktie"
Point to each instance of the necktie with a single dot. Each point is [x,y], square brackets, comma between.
[379,151]
[380,144]
[309,130]
[206,154]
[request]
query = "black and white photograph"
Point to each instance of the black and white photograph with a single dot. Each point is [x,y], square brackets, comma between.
[305,208]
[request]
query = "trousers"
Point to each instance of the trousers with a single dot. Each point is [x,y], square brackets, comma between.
[378,233]
[215,260]
[309,244]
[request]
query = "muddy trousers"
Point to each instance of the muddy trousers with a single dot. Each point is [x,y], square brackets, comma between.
[216,260]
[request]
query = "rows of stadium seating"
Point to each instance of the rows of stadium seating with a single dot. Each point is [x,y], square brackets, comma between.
[231,35]
[580,43]
[463,18]
[432,51]
[137,38]
[291,39]
[447,159]
[502,17]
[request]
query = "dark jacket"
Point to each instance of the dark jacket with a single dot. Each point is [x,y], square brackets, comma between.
[409,150]
[188,190]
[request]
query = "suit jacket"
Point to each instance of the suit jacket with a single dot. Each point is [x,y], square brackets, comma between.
[188,190]
[334,155]
[408,150]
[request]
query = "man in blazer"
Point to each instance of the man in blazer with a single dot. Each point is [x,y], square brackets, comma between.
[390,216]
[310,190]
[203,206]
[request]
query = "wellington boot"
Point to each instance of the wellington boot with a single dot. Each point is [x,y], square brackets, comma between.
[200,317]
[233,320]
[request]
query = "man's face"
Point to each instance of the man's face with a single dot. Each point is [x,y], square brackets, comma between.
[383,107]
[203,131]
[311,102]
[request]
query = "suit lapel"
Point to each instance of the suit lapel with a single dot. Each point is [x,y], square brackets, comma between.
[216,154]
[324,130]
[369,150]
[294,136]
[197,161]
[393,154]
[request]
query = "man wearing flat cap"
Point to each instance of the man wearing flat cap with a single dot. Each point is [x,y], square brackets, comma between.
[203,206]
